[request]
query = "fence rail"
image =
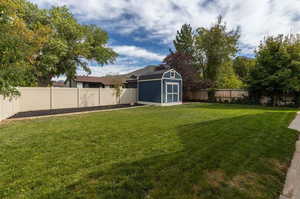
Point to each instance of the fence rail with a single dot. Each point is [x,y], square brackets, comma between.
[45,98]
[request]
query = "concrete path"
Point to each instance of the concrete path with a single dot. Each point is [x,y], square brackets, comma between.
[292,184]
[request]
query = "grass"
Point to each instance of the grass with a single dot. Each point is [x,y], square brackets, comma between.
[196,151]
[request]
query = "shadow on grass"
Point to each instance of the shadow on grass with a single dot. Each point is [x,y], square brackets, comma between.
[243,157]
[236,106]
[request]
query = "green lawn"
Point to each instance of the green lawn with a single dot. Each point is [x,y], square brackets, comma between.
[196,151]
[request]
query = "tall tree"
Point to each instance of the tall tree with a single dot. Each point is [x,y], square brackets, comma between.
[69,47]
[277,70]
[39,44]
[185,40]
[217,46]
[17,47]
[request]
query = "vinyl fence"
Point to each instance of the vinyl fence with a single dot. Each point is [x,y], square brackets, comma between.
[40,98]
[8,107]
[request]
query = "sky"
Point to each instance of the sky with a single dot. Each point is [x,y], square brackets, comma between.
[142,31]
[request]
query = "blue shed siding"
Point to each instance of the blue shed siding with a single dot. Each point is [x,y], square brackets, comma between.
[164,88]
[150,91]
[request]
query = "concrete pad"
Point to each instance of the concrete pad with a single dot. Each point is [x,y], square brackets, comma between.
[296,194]
[298,147]
[296,123]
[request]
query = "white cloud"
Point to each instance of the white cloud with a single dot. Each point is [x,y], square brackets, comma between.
[137,52]
[161,18]
[113,69]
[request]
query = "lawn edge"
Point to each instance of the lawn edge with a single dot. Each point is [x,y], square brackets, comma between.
[291,189]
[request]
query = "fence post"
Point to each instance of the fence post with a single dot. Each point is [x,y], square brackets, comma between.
[1,108]
[78,97]
[51,98]
[99,97]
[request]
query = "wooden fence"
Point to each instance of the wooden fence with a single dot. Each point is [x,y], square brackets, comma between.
[221,95]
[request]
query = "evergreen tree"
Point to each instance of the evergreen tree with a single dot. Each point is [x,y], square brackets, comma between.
[184,42]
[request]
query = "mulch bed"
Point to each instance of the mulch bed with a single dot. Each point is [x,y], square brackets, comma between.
[69,110]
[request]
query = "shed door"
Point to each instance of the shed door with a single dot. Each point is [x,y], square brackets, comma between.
[172,92]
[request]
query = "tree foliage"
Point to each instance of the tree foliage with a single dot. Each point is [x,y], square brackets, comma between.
[278,67]
[185,40]
[227,78]
[217,46]
[243,66]
[203,55]
[39,44]
[183,64]
[17,47]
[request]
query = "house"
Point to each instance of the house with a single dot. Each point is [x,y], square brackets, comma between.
[58,84]
[97,82]
[128,80]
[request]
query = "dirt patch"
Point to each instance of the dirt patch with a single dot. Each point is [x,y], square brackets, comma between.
[278,166]
[215,178]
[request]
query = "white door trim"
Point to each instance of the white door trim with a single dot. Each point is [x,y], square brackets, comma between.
[172,83]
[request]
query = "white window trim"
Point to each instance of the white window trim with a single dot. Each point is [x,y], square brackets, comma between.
[172,93]
[174,77]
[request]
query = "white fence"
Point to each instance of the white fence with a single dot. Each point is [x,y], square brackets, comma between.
[39,98]
[8,107]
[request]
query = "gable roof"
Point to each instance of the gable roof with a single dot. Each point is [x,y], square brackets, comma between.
[148,72]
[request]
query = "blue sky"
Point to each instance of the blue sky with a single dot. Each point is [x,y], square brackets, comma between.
[141,31]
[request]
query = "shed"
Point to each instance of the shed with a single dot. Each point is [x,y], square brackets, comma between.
[162,87]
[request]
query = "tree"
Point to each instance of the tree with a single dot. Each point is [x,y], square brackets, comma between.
[243,66]
[118,88]
[184,64]
[277,70]
[185,40]
[227,78]
[69,47]
[216,47]
[39,44]
[17,47]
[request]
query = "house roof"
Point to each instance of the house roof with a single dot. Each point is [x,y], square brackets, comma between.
[58,84]
[153,75]
[149,72]
[107,80]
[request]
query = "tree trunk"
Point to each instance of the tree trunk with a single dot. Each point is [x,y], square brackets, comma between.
[297,99]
